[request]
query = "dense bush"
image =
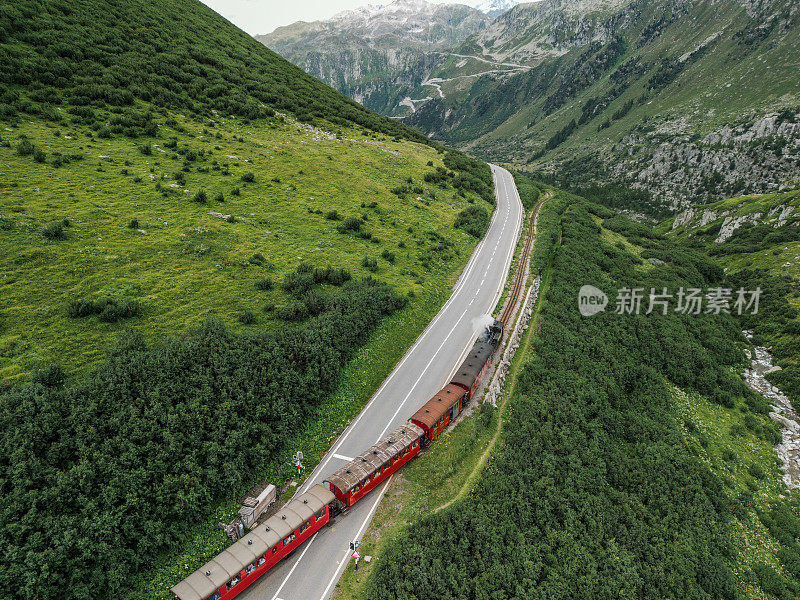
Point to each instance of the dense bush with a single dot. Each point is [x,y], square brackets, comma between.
[474,220]
[264,284]
[370,264]
[102,476]
[247,318]
[472,174]
[109,310]
[54,231]
[349,224]
[25,147]
[248,177]
[593,493]
[529,192]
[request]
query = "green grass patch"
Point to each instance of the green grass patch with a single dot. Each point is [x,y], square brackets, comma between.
[185,261]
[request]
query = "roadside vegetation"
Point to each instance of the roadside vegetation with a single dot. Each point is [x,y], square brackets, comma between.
[621,499]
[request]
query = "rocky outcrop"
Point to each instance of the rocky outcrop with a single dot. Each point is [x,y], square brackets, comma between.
[752,158]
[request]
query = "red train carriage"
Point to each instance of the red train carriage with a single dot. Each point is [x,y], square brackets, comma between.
[440,410]
[353,481]
[233,570]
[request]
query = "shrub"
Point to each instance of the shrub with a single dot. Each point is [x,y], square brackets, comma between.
[248,177]
[264,284]
[134,224]
[25,148]
[298,284]
[54,231]
[474,220]
[257,259]
[296,311]
[370,264]
[51,377]
[350,224]
[235,192]
[201,196]
[39,156]
[219,198]
[756,471]
[388,256]
[247,318]
[333,216]
[146,149]
[108,309]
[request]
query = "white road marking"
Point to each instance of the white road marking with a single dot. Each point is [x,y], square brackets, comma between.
[302,554]
[342,457]
[357,536]
[421,375]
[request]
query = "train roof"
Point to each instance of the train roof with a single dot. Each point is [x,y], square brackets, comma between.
[231,561]
[438,405]
[471,367]
[370,461]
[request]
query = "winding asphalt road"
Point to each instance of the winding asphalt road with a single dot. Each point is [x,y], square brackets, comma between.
[312,572]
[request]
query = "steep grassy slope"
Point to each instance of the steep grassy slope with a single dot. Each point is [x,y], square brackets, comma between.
[146,161]
[95,54]
[137,230]
[683,99]
[757,240]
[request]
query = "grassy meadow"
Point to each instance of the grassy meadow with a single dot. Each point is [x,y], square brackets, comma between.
[171,223]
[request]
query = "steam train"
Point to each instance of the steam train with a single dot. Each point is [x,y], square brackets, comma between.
[234,569]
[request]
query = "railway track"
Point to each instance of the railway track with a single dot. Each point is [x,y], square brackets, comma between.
[519,276]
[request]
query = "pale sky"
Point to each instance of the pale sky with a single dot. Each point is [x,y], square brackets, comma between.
[263,16]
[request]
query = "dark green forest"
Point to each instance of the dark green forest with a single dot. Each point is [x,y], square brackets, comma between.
[98,477]
[593,494]
[93,61]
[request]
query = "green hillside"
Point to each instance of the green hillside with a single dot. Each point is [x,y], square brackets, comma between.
[146,163]
[757,240]
[656,474]
[92,56]
[208,256]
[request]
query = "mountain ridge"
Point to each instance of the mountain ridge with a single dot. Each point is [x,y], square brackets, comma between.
[620,91]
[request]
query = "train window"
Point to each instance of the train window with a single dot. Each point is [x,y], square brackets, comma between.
[320,514]
[214,596]
[303,527]
[250,568]
[288,540]
[262,560]
[233,583]
[274,549]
